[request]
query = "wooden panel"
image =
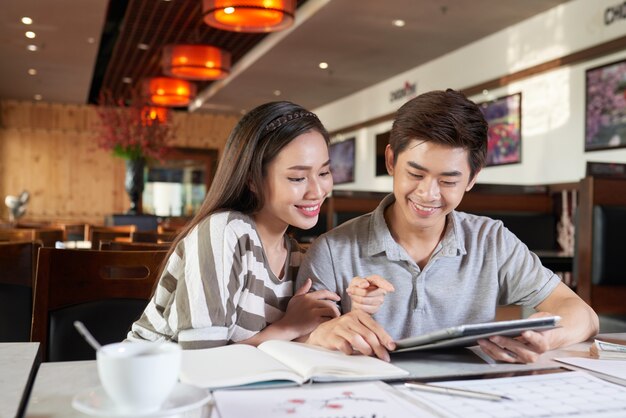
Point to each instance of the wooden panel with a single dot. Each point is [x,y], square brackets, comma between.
[51,151]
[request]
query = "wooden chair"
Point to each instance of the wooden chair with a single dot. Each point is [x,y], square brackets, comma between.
[47,236]
[95,233]
[106,290]
[134,246]
[18,261]
[600,264]
[152,236]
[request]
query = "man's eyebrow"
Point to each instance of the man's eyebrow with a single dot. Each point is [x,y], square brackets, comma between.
[416,166]
[306,167]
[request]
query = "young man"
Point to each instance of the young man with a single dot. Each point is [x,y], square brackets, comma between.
[416,265]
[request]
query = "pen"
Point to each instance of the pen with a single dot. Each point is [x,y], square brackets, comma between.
[456,392]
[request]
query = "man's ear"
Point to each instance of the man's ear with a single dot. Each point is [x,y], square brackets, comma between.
[389,159]
[472,181]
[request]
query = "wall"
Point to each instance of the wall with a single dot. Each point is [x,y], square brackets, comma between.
[50,150]
[553,102]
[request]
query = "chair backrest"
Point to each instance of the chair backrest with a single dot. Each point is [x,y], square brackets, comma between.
[17,276]
[134,246]
[17,235]
[106,290]
[95,233]
[152,236]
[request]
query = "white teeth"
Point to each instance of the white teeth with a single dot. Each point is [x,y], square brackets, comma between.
[424,208]
[309,208]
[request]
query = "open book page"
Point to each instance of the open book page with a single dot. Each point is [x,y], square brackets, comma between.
[322,365]
[232,365]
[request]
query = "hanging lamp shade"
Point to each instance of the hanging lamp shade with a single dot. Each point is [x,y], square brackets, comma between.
[249,15]
[165,91]
[195,62]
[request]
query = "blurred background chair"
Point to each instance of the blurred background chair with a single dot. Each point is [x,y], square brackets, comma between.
[152,236]
[106,290]
[18,262]
[134,246]
[95,233]
[47,235]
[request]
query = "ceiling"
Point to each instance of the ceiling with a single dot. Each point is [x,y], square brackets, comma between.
[85,46]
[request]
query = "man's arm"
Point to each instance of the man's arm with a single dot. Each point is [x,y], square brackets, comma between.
[578,323]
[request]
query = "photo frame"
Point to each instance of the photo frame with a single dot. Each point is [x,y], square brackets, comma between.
[342,160]
[606,170]
[381,143]
[605,107]
[504,116]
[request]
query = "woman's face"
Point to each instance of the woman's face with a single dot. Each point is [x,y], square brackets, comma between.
[297,182]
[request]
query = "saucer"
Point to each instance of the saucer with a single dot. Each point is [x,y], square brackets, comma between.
[97,403]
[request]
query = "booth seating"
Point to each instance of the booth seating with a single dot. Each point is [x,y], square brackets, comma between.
[18,261]
[600,267]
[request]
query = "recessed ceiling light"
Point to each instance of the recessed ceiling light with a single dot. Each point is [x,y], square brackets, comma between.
[30,34]
[276,92]
[398,23]
[32,47]
[37,97]
[27,20]
[127,80]
[32,71]
[91,40]
[143,47]
[229,10]
[485,92]
[323,65]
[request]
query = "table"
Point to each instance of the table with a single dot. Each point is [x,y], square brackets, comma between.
[57,383]
[18,362]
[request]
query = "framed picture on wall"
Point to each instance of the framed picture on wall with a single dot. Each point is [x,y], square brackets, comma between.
[605,107]
[381,143]
[504,116]
[342,161]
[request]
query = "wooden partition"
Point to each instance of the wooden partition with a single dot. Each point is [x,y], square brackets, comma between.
[51,151]
[594,193]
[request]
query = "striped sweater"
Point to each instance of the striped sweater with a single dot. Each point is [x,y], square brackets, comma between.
[217,287]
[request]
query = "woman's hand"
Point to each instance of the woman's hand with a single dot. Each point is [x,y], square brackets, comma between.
[368,293]
[306,311]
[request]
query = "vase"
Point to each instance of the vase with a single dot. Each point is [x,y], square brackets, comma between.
[134,184]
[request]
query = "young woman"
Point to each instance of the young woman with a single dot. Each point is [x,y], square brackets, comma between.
[229,277]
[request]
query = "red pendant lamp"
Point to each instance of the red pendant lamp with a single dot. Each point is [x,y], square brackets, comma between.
[249,15]
[195,62]
[165,91]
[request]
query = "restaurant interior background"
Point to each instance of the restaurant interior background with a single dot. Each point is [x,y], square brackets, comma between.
[375,62]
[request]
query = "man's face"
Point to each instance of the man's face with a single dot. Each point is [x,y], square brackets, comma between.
[429,181]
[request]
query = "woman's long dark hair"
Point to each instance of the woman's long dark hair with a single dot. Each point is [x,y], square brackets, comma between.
[254,142]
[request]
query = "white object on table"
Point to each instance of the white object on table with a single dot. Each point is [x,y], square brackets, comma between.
[16,362]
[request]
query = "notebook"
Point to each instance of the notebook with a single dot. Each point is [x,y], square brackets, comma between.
[466,335]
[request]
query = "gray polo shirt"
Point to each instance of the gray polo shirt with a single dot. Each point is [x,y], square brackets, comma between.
[478,265]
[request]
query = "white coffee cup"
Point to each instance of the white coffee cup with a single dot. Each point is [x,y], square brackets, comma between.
[139,376]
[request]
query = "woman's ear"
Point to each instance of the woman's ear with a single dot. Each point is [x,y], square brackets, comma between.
[389,159]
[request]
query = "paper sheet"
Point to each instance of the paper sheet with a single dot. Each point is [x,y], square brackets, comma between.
[565,394]
[615,368]
[372,399]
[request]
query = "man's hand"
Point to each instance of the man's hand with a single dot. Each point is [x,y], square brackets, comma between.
[523,349]
[368,293]
[354,331]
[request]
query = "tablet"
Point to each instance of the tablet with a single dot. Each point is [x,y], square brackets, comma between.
[467,335]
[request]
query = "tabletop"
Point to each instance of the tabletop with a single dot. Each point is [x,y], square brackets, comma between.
[18,363]
[57,383]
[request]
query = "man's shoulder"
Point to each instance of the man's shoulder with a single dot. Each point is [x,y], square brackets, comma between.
[349,229]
